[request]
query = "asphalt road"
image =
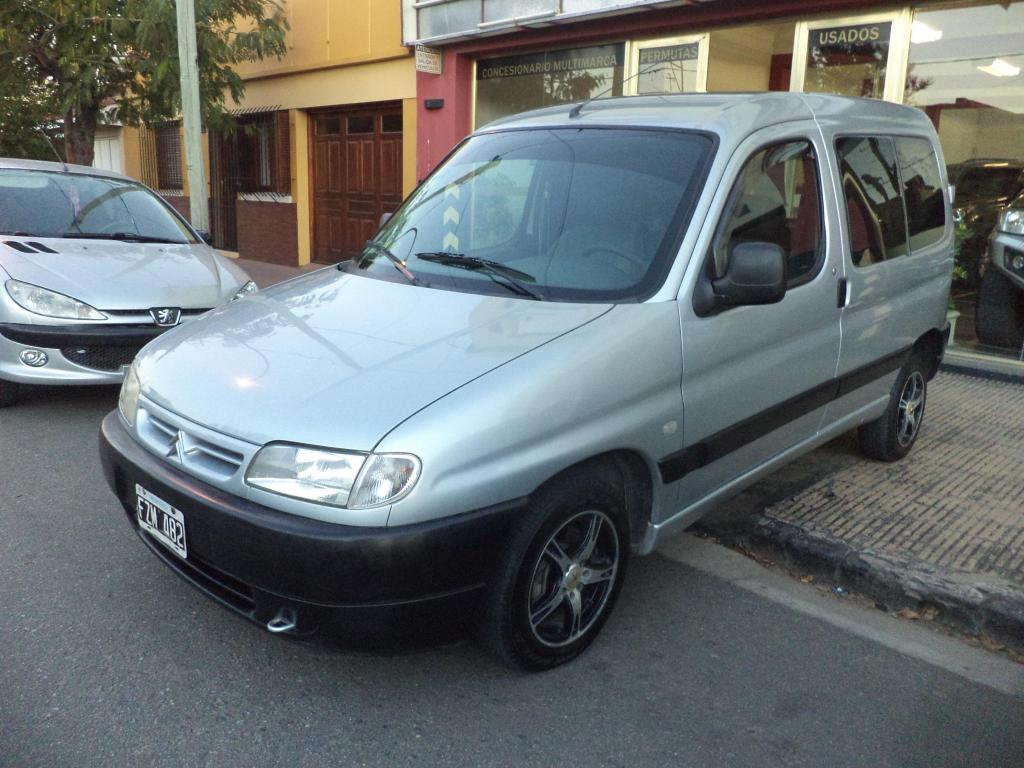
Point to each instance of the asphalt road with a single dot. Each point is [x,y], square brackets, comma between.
[108,659]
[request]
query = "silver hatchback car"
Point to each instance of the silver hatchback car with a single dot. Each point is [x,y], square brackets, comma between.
[591,324]
[93,265]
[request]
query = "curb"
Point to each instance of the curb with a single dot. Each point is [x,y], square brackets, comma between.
[965,600]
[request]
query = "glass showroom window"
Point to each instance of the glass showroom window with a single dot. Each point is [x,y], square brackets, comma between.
[966,71]
[514,84]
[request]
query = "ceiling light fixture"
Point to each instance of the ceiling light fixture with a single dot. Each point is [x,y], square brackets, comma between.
[1001,68]
[924,33]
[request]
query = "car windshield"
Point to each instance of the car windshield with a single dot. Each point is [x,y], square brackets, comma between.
[55,204]
[987,183]
[590,214]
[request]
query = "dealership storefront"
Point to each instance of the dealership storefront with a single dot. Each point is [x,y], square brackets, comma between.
[962,63]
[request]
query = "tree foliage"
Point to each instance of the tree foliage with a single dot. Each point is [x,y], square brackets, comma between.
[75,60]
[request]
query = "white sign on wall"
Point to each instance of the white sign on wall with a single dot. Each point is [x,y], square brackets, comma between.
[428,60]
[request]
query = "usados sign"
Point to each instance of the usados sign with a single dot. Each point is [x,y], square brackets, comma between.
[856,35]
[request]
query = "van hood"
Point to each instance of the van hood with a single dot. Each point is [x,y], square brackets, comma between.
[110,274]
[338,360]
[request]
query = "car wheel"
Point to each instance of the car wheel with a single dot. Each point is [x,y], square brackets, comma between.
[999,315]
[561,575]
[9,391]
[891,436]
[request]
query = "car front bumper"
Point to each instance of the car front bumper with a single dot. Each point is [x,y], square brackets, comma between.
[1002,249]
[77,354]
[265,564]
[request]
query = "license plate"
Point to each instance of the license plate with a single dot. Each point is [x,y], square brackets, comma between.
[162,521]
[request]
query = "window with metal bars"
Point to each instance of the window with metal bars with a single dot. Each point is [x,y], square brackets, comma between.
[263,153]
[168,156]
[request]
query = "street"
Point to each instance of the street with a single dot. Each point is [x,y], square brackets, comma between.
[109,659]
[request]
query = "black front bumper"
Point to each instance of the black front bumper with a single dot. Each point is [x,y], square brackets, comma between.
[56,336]
[264,563]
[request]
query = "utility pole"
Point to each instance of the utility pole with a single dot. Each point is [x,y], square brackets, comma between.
[188,63]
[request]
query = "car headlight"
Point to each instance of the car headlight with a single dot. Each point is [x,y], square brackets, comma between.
[50,303]
[1012,220]
[336,478]
[128,400]
[246,290]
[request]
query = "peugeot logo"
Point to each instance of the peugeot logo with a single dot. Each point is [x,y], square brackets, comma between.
[165,315]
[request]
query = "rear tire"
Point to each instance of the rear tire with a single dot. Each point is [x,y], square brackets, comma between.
[561,574]
[891,436]
[999,314]
[9,392]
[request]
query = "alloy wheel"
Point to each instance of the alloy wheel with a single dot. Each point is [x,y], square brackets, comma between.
[911,409]
[573,577]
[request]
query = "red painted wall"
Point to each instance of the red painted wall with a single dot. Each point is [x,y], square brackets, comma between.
[438,130]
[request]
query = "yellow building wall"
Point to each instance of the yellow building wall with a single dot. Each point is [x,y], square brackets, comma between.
[330,33]
[132,149]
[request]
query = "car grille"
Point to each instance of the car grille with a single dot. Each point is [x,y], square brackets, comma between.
[107,357]
[184,447]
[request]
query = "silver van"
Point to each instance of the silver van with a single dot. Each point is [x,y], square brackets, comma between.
[586,328]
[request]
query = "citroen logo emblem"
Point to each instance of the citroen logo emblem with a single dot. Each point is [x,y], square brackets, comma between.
[165,316]
[177,449]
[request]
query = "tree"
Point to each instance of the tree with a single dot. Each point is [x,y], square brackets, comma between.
[72,58]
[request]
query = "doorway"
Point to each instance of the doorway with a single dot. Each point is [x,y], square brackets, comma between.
[356,177]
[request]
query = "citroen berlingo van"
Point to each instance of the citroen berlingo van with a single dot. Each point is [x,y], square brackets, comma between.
[590,325]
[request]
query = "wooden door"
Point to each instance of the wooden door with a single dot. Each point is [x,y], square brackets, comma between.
[357,176]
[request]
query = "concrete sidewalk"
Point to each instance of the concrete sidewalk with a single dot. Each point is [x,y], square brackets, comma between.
[267,274]
[941,532]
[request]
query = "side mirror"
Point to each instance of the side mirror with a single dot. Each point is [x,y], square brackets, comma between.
[205,236]
[384,218]
[756,275]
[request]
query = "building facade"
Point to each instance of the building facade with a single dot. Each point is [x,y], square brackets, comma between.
[324,140]
[960,62]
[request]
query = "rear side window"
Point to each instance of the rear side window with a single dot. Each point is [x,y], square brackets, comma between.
[922,191]
[776,199]
[874,206]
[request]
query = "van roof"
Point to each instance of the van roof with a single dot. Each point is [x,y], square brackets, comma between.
[724,113]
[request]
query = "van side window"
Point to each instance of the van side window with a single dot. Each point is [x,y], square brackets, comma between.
[776,199]
[874,206]
[922,191]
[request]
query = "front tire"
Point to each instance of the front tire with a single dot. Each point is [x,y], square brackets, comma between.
[562,572]
[999,314]
[891,436]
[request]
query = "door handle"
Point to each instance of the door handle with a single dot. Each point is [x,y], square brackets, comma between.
[841,293]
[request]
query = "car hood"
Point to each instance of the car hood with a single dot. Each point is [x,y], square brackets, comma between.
[109,274]
[339,360]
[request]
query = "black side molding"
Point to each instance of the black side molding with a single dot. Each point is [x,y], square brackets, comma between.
[677,465]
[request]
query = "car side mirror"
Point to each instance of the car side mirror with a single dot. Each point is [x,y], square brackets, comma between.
[384,218]
[205,236]
[756,275]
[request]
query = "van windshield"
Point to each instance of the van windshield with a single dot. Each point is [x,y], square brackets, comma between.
[589,214]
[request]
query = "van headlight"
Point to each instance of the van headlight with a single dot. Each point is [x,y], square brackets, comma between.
[246,290]
[128,400]
[42,301]
[336,478]
[1012,220]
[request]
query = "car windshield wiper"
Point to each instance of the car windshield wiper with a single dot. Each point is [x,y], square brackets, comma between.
[399,264]
[131,237]
[511,278]
[20,233]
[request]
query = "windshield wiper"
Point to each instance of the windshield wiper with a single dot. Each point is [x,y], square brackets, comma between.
[511,278]
[19,233]
[399,264]
[130,237]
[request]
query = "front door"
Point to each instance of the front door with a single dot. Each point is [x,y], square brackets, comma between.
[756,379]
[357,176]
